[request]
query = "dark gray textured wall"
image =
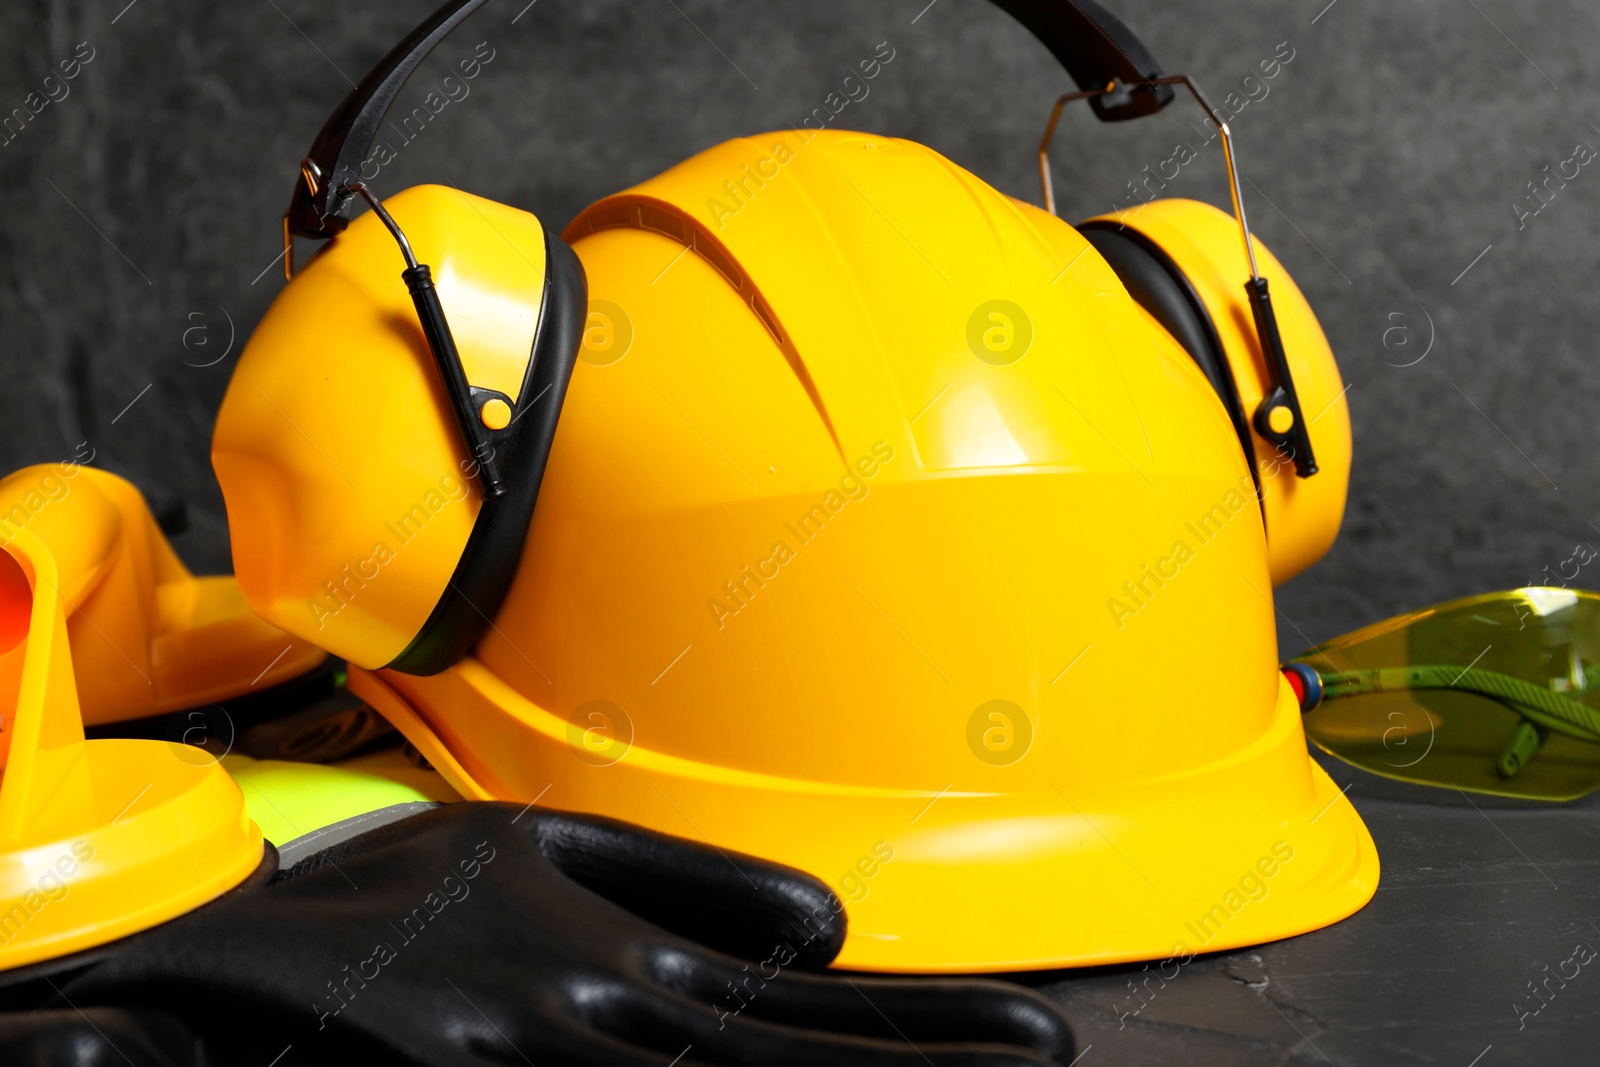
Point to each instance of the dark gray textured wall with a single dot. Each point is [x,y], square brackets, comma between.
[1392,149]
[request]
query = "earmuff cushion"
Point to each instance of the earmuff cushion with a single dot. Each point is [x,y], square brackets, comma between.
[489,562]
[1160,287]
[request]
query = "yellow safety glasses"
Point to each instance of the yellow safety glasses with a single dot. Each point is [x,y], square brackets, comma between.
[1497,693]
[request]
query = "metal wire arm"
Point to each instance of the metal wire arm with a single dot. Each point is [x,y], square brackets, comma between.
[1278,419]
[1211,112]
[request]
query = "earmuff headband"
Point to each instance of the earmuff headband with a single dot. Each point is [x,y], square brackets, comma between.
[323,196]
[1099,52]
[1095,46]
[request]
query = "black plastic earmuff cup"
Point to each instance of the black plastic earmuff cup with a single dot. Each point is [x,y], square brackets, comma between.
[488,564]
[1159,285]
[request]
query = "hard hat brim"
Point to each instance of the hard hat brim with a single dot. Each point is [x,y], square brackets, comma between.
[1252,848]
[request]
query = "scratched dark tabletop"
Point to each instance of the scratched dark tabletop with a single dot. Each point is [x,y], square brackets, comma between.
[1480,900]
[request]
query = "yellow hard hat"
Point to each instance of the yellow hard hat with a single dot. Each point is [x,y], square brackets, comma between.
[892,529]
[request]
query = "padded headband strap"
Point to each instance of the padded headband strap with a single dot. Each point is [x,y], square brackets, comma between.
[1095,46]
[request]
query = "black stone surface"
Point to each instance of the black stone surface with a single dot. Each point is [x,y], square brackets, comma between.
[1479,898]
[139,218]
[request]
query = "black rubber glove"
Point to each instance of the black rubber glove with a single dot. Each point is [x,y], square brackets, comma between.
[484,934]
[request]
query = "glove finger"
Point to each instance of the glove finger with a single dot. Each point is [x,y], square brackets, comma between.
[975,1010]
[98,1037]
[734,903]
[677,1026]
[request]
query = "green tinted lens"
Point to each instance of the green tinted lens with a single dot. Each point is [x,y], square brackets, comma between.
[1495,694]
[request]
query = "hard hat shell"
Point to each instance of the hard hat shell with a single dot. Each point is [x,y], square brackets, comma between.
[350,497]
[885,536]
